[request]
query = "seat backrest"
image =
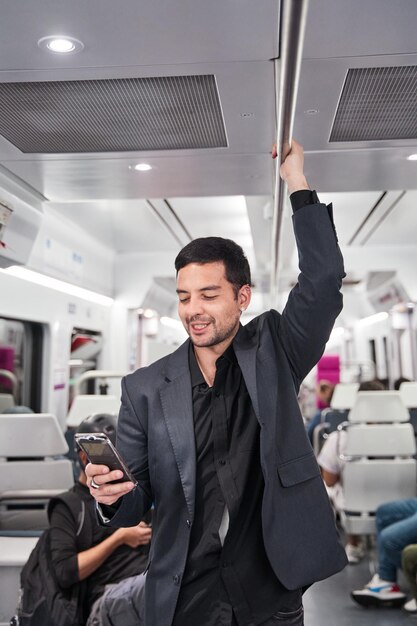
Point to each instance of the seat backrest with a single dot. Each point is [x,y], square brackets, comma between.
[6,401]
[380,440]
[333,419]
[23,480]
[344,396]
[369,483]
[31,435]
[378,406]
[408,393]
[85,405]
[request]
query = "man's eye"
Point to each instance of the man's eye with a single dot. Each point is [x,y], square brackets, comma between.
[184,300]
[209,297]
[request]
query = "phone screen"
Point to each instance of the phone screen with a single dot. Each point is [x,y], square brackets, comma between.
[100,451]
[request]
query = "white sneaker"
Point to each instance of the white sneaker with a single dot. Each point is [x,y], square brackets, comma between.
[354,553]
[379,592]
[411,606]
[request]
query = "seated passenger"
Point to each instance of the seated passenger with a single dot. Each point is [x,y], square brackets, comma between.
[332,466]
[113,555]
[396,524]
[324,393]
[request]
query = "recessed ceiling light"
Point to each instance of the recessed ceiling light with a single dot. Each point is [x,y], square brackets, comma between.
[412,157]
[142,167]
[60,44]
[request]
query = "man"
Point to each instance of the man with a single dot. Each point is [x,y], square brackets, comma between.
[110,556]
[215,438]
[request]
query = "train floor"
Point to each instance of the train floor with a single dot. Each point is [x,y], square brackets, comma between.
[328,603]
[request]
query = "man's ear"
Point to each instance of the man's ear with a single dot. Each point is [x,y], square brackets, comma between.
[244,297]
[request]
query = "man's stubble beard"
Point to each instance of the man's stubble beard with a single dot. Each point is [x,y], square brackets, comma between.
[218,337]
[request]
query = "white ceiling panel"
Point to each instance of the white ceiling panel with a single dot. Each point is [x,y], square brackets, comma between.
[399,226]
[138,32]
[216,217]
[349,210]
[124,225]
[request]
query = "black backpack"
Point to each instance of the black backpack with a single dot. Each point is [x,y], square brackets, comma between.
[42,601]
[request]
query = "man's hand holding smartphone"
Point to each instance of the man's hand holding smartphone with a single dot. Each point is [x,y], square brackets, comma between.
[105,493]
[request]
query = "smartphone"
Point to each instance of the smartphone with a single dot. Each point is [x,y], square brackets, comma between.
[100,450]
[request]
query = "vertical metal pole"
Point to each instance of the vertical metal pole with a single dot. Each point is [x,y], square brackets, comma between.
[287,74]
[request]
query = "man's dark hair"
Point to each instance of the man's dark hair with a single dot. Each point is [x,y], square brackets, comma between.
[213,249]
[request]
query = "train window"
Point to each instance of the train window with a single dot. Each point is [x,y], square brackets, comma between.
[85,351]
[21,345]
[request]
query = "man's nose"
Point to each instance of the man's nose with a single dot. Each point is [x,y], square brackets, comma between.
[195,307]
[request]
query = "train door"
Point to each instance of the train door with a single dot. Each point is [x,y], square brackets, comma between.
[21,357]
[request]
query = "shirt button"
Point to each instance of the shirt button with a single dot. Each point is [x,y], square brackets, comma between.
[222,462]
[217,394]
[176,579]
[226,564]
[188,523]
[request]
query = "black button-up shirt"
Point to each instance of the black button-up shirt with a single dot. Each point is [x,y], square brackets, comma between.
[233,583]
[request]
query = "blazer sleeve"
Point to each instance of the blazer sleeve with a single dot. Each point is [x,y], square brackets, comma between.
[315,301]
[132,443]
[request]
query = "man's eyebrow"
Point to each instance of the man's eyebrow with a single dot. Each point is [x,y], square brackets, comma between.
[207,288]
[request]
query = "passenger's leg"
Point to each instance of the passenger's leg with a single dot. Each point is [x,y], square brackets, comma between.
[391,542]
[121,604]
[396,527]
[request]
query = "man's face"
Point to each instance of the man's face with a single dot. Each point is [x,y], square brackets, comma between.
[208,306]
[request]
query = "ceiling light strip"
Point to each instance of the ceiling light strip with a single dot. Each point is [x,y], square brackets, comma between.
[382,218]
[58,285]
[177,218]
[165,223]
[362,224]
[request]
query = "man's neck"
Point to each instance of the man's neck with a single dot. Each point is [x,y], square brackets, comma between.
[207,357]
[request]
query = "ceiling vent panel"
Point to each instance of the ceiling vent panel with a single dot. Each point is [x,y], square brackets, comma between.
[377,103]
[113,115]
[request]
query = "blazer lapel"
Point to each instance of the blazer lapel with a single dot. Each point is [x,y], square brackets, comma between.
[177,405]
[245,346]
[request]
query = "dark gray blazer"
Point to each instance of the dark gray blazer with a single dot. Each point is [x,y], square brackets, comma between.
[156,435]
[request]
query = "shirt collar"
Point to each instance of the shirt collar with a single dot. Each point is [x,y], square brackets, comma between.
[197,377]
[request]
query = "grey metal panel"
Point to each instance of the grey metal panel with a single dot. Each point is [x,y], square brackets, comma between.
[185,175]
[377,103]
[340,28]
[113,115]
[139,32]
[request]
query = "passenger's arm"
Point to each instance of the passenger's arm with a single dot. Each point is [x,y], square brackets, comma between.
[63,544]
[329,478]
[91,559]
[315,301]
